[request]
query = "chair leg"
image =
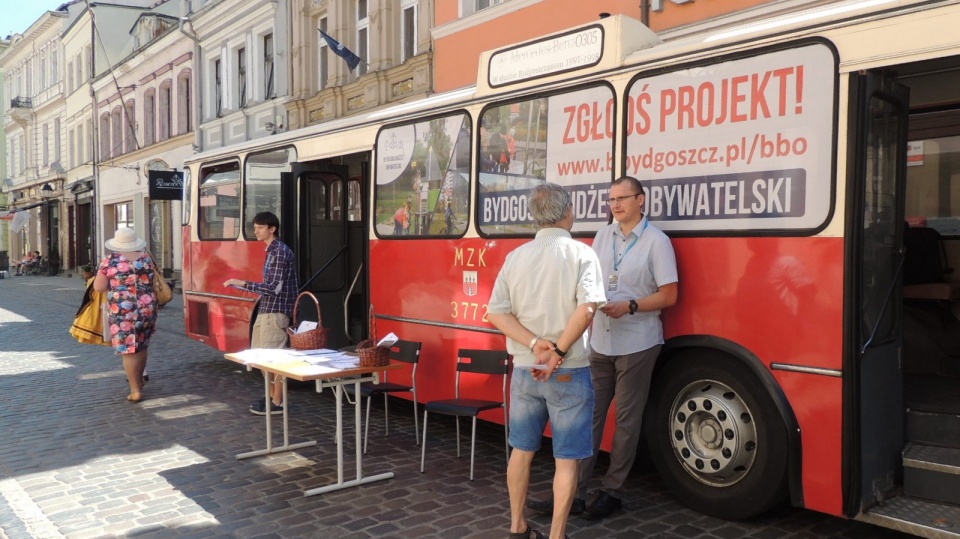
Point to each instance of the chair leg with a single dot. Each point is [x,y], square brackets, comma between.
[386,416]
[366,427]
[423,446]
[457,419]
[416,422]
[473,443]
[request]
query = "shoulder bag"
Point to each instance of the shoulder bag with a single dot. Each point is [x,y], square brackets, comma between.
[160,287]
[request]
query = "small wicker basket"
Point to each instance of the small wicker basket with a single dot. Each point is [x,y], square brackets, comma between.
[370,354]
[307,340]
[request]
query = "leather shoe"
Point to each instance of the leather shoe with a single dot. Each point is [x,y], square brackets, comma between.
[546,506]
[602,506]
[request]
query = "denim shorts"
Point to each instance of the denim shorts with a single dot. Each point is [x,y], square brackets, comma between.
[566,399]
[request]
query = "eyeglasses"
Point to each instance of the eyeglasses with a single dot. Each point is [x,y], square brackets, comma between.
[619,200]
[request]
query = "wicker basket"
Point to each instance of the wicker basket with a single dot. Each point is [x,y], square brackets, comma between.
[370,354]
[307,340]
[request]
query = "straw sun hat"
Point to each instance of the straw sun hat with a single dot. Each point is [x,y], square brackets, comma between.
[125,240]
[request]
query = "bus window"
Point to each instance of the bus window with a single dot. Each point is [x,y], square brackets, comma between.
[933,169]
[423,178]
[354,200]
[187,190]
[336,212]
[262,184]
[566,139]
[219,217]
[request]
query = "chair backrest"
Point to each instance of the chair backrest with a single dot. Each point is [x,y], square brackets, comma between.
[926,258]
[406,351]
[483,362]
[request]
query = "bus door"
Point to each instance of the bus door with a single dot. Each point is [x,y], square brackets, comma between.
[873,381]
[327,222]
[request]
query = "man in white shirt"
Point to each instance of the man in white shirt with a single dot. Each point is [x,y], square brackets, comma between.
[544,300]
[640,279]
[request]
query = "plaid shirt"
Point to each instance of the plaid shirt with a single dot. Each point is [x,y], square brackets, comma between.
[278,291]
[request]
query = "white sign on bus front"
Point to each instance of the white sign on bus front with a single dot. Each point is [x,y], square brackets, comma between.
[547,57]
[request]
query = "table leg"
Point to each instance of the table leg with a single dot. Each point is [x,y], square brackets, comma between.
[360,480]
[286,424]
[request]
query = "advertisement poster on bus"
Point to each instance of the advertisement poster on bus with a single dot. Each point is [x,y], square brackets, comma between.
[554,139]
[423,186]
[740,145]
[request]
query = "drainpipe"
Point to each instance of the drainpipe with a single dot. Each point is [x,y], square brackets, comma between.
[197,69]
[645,12]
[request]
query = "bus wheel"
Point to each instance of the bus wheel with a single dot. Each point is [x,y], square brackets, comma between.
[715,436]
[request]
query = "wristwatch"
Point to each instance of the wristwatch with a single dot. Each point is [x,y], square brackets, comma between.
[633,306]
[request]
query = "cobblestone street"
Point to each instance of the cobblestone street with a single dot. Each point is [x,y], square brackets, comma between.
[79,461]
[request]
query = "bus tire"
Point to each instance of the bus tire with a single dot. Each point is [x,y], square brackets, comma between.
[715,436]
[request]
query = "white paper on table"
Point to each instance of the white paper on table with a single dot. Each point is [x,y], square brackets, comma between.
[306,325]
[263,355]
[388,341]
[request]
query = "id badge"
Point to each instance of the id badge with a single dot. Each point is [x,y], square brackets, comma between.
[612,283]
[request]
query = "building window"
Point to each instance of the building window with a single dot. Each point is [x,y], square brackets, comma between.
[79,132]
[409,29]
[116,133]
[124,215]
[218,87]
[241,77]
[70,77]
[130,125]
[324,66]
[56,140]
[71,148]
[164,111]
[43,73]
[268,66]
[363,29]
[46,144]
[90,141]
[105,137]
[149,118]
[469,7]
[183,104]
[78,67]
[54,66]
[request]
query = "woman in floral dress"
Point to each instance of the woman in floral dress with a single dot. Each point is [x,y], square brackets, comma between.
[126,276]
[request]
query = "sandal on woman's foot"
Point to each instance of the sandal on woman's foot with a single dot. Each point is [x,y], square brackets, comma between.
[131,398]
[529,534]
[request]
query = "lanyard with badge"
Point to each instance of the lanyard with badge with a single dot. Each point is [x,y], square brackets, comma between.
[614,279]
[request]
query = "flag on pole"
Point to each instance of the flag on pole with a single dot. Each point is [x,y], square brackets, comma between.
[352,59]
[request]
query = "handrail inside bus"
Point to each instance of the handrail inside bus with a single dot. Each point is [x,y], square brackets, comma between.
[346,301]
[886,301]
[322,268]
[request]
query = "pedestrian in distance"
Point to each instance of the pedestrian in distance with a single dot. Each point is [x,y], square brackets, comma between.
[278,294]
[544,300]
[126,276]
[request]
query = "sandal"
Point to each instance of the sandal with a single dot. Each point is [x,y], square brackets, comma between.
[529,534]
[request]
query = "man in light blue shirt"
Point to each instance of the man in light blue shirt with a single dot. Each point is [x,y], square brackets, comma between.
[640,279]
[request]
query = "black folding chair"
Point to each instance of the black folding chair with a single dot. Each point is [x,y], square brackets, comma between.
[480,362]
[407,352]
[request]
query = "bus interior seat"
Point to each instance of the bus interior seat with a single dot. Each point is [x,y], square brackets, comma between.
[926,271]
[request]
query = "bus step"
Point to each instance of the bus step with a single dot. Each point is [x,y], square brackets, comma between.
[932,473]
[918,517]
[930,427]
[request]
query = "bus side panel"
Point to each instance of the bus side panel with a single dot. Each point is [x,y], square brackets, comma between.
[438,282]
[780,299]
[228,321]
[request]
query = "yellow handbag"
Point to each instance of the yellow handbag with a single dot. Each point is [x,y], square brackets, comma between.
[160,287]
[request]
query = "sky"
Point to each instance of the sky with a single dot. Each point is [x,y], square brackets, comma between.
[17,15]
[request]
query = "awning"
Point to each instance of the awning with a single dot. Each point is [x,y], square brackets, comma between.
[28,207]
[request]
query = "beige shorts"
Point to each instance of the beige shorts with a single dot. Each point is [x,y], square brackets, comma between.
[269,331]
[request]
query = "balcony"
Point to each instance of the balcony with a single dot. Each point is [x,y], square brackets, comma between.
[21,103]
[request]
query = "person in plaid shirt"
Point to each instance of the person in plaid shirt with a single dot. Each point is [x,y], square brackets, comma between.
[278,294]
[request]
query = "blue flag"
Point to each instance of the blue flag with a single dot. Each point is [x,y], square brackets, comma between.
[352,59]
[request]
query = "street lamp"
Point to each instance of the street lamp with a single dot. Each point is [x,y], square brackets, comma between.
[53,257]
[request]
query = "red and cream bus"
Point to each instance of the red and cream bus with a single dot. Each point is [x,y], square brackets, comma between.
[784,158]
